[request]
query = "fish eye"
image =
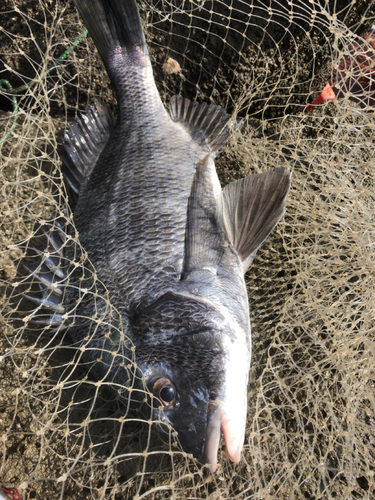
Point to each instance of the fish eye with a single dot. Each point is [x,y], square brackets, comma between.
[165,390]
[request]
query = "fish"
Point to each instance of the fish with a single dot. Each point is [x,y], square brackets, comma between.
[169,247]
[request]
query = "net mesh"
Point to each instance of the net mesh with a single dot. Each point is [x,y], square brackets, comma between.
[310,428]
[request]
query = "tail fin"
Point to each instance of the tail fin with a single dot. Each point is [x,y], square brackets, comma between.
[112,24]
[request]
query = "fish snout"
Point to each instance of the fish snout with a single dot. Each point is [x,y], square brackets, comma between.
[231,425]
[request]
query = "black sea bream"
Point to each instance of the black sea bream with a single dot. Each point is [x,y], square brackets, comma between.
[170,246]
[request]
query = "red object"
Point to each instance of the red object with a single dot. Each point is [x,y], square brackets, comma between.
[328,94]
[11,493]
[355,75]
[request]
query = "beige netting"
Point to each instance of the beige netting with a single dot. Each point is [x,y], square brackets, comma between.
[311,403]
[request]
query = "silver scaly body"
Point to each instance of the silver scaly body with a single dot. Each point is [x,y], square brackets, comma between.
[169,245]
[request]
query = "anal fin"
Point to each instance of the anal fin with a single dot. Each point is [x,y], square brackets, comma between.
[208,124]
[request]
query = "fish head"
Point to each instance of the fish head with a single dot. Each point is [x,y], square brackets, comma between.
[180,401]
[198,380]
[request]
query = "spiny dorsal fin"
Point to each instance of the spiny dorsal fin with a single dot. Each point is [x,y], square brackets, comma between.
[251,208]
[41,285]
[208,124]
[83,142]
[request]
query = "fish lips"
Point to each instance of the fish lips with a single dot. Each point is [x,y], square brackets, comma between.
[220,422]
[201,436]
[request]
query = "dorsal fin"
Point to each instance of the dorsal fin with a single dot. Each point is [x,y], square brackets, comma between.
[83,142]
[251,208]
[208,124]
[42,282]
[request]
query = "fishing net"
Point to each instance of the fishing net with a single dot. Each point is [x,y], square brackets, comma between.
[311,405]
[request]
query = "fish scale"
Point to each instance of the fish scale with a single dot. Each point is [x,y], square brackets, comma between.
[158,303]
[158,217]
[147,192]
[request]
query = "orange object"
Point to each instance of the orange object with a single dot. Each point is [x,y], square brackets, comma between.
[354,76]
[328,94]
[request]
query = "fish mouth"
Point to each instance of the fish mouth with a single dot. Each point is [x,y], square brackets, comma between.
[219,423]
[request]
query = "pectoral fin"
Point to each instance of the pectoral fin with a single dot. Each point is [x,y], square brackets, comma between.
[251,208]
[204,238]
[242,215]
